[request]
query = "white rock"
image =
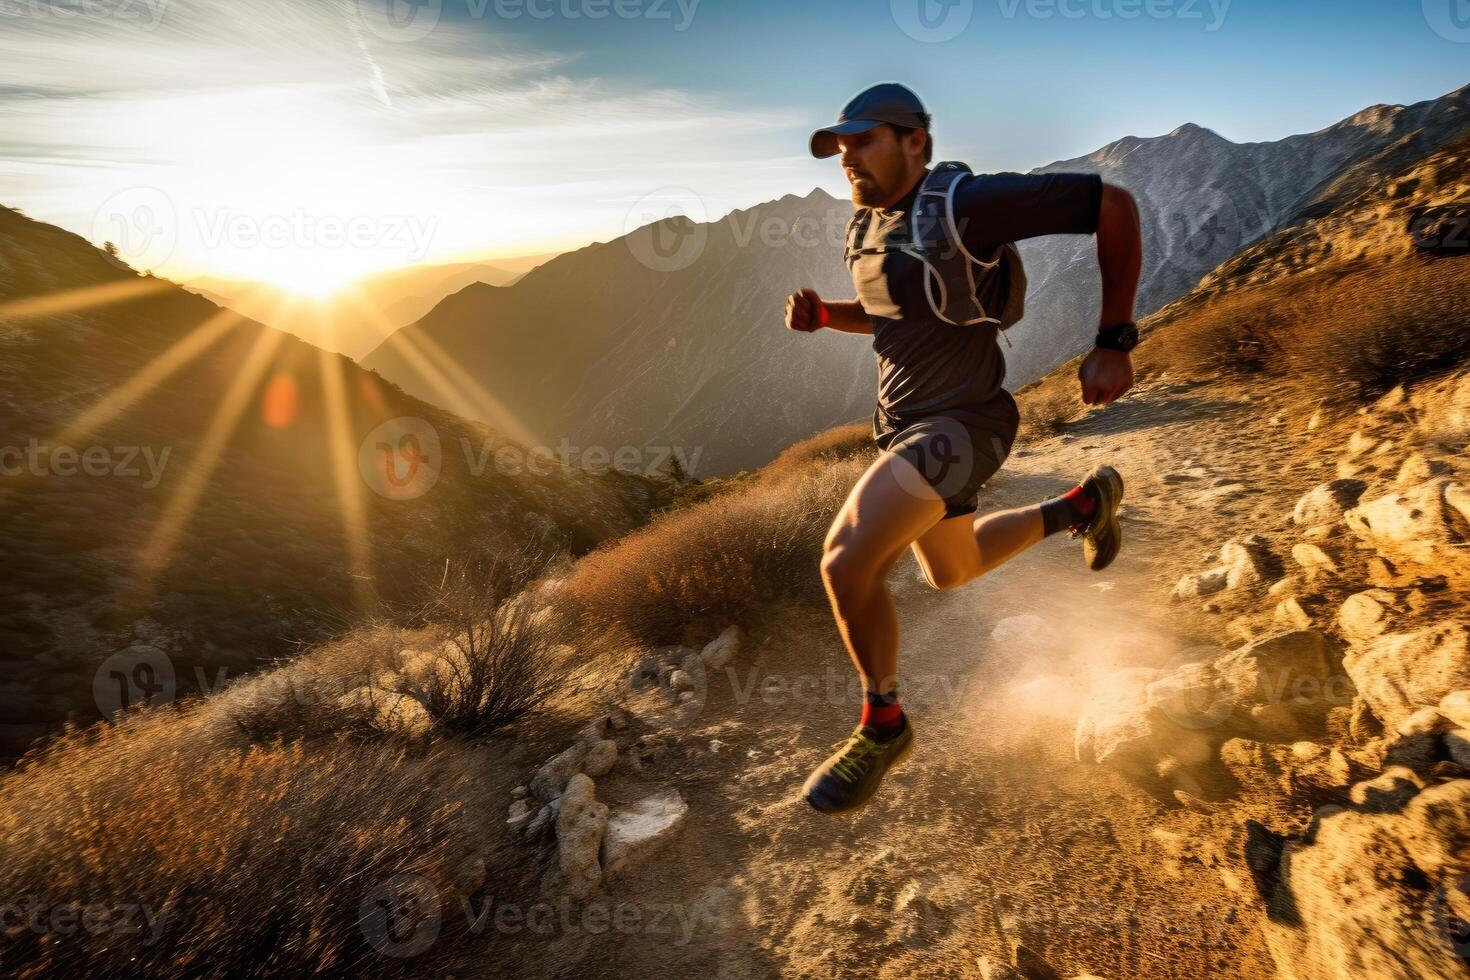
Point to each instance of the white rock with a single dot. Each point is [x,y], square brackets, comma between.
[680,680]
[1326,502]
[636,831]
[1250,561]
[1312,558]
[1417,468]
[1399,673]
[1456,707]
[551,779]
[1198,585]
[521,812]
[600,758]
[1364,615]
[1353,913]
[389,711]
[580,827]
[1419,524]
[722,649]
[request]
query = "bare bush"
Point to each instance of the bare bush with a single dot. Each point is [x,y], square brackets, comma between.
[1355,329]
[491,657]
[695,570]
[261,861]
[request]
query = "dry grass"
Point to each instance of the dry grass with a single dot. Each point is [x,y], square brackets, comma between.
[1353,329]
[694,570]
[491,662]
[475,654]
[248,861]
[269,824]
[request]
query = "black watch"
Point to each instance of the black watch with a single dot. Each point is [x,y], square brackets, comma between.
[1120,336]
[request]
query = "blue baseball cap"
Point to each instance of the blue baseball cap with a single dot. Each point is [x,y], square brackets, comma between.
[886,102]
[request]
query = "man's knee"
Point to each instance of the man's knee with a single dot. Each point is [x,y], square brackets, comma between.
[945,578]
[847,571]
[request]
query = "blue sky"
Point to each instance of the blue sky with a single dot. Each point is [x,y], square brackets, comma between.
[448,129]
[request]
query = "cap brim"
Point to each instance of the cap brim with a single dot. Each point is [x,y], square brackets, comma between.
[824,140]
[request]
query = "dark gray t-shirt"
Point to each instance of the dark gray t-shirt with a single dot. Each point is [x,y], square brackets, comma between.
[927,366]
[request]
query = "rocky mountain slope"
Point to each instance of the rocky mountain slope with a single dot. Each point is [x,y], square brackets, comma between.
[665,336]
[177,478]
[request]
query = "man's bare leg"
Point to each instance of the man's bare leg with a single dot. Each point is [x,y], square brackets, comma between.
[958,549]
[886,511]
[888,508]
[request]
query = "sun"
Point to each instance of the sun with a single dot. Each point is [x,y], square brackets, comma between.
[312,278]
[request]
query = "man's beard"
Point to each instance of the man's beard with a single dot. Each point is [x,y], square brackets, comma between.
[866,193]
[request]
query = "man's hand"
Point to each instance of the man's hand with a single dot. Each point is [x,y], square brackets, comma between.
[805,311]
[1105,374]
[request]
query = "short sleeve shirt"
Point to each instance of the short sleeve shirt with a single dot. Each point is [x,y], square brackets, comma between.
[925,365]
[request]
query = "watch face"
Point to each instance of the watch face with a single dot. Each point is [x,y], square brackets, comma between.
[1122,337]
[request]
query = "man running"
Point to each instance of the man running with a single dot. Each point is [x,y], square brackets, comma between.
[943,421]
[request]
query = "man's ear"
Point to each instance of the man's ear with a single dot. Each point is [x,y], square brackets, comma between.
[917,139]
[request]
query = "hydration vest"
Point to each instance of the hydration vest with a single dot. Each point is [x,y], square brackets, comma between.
[951,272]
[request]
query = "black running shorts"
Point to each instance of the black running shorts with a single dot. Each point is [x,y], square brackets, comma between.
[954,452]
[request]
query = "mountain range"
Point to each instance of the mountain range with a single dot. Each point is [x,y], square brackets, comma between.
[672,334]
[337,321]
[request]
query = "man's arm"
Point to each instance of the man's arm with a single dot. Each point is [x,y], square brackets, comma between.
[1119,254]
[848,316]
[1105,374]
[805,312]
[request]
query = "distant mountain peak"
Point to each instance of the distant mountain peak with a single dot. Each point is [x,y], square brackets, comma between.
[1194,131]
[1375,116]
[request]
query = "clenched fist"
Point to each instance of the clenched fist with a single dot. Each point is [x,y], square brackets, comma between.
[1105,374]
[805,311]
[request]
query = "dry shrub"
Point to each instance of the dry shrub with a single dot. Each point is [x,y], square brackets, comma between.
[479,658]
[1358,329]
[260,861]
[697,569]
[492,661]
[834,445]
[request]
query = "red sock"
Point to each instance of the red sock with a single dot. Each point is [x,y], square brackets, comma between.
[1084,502]
[882,713]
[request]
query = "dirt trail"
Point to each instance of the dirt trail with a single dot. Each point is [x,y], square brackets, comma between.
[990,834]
